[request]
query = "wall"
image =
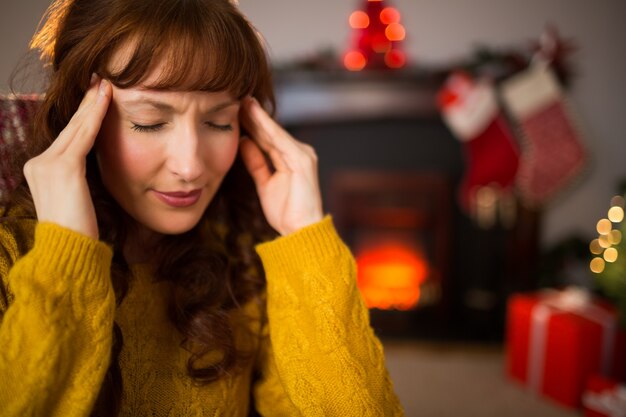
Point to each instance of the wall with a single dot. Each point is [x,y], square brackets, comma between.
[441,31]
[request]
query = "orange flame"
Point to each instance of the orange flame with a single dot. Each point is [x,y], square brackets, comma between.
[389,276]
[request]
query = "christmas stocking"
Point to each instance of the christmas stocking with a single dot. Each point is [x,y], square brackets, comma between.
[471,111]
[552,153]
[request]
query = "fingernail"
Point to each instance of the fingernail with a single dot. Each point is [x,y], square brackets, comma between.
[94,77]
[102,91]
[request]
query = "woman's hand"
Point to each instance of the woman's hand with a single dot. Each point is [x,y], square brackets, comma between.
[289,191]
[57,177]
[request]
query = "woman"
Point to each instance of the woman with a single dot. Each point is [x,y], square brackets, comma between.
[130,282]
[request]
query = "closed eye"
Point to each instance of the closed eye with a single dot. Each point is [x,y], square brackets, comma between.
[222,128]
[147,128]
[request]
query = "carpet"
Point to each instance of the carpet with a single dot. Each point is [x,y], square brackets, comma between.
[453,380]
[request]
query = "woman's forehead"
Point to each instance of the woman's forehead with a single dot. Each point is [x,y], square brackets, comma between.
[136,98]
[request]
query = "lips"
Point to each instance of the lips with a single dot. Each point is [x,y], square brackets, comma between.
[179,198]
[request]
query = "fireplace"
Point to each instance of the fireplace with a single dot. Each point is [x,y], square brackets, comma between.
[389,169]
[398,227]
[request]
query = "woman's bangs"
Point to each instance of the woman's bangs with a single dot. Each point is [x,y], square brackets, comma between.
[208,59]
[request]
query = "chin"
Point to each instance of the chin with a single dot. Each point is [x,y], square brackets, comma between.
[173,225]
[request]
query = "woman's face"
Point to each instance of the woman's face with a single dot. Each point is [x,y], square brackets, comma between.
[163,154]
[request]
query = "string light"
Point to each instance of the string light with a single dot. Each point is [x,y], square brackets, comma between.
[359,20]
[617,201]
[354,61]
[604,226]
[615,237]
[604,241]
[597,265]
[604,246]
[395,32]
[595,248]
[389,15]
[610,255]
[616,214]
[395,59]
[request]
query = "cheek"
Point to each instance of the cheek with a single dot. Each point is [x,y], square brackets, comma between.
[121,159]
[223,155]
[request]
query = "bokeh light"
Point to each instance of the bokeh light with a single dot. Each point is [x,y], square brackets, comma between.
[616,214]
[604,241]
[354,61]
[395,32]
[359,20]
[604,226]
[595,248]
[617,201]
[597,265]
[395,59]
[610,255]
[389,15]
[615,237]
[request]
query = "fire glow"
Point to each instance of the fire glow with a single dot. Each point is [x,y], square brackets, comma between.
[390,275]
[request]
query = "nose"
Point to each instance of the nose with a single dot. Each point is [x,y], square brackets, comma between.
[184,155]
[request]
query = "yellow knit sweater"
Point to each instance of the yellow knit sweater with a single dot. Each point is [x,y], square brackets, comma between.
[316,356]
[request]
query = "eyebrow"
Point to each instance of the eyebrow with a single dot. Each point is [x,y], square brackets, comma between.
[165,107]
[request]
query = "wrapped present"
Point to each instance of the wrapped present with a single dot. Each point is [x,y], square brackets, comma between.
[618,370]
[557,339]
[604,397]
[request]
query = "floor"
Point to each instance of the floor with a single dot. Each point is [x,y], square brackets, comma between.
[460,381]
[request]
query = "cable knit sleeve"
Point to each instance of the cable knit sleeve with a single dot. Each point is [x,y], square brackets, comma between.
[56,323]
[321,357]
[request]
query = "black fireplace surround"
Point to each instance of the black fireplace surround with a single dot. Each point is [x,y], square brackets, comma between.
[386,124]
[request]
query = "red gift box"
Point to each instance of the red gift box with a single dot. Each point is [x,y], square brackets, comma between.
[618,371]
[604,397]
[557,339]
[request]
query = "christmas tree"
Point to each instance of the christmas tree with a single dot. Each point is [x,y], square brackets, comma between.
[609,256]
[376,38]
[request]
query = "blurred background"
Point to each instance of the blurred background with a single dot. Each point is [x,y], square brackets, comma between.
[471,154]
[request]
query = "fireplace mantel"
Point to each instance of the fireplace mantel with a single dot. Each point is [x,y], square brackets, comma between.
[305,97]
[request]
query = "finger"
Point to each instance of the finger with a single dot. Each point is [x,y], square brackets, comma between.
[90,115]
[285,152]
[255,162]
[66,135]
[80,133]
[264,130]
[93,120]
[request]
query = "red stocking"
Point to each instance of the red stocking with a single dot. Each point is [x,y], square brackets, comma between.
[471,111]
[552,153]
